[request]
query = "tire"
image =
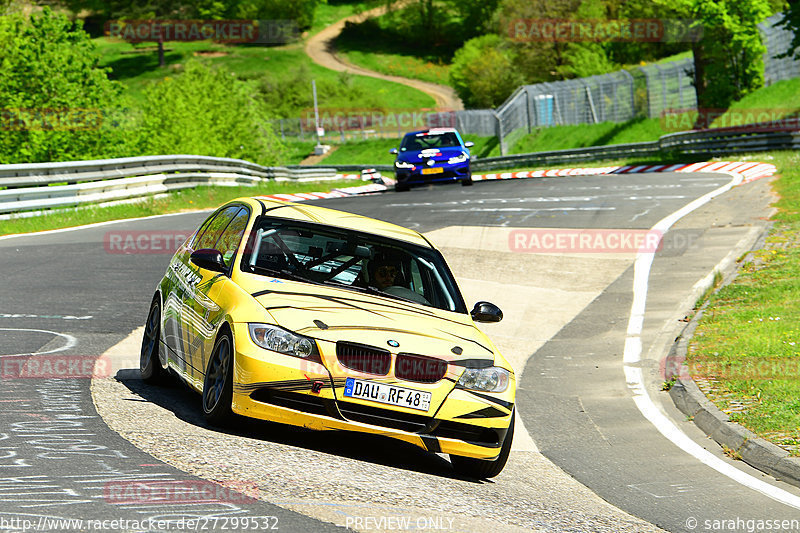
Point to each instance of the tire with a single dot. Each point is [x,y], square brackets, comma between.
[218,383]
[481,468]
[400,188]
[149,358]
[466,182]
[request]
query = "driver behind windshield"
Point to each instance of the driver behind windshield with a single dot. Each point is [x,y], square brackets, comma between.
[383,271]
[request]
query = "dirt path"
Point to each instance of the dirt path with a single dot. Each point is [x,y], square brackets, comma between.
[321,49]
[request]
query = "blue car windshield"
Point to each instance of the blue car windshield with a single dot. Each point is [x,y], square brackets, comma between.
[423,141]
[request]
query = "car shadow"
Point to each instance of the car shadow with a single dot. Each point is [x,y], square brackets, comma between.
[184,403]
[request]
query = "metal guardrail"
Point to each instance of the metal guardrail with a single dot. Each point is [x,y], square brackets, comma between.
[54,185]
[39,186]
[591,153]
[713,142]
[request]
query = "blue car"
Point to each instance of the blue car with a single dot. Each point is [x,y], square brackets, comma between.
[432,156]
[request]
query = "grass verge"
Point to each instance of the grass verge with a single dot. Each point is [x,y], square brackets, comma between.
[174,202]
[745,353]
[397,64]
[376,151]
[583,135]
[392,44]
[764,105]
[136,66]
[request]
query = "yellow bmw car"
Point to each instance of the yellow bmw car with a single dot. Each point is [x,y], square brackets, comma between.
[331,321]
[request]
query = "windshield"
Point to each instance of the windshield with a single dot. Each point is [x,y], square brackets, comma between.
[423,141]
[351,260]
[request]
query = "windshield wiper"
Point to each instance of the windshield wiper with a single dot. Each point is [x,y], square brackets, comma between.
[280,273]
[371,290]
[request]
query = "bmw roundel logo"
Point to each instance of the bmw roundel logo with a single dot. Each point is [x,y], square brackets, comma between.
[393,343]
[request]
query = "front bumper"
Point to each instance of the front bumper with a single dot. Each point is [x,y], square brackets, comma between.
[285,389]
[456,172]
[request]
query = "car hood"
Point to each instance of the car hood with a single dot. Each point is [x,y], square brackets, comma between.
[335,314]
[437,154]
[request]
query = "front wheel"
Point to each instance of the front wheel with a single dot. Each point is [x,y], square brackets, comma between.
[149,358]
[218,383]
[481,468]
[466,182]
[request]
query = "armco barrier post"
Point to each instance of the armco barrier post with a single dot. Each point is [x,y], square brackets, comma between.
[500,133]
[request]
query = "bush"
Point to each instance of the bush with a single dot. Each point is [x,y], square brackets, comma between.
[205,111]
[53,94]
[301,11]
[483,72]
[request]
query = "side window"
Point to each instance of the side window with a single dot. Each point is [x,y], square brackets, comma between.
[215,228]
[232,236]
[202,230]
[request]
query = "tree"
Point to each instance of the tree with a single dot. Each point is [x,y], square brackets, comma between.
[545,60]
[791,21]
[147,10]
[53,94]
[300,11]
[483,72]
[728,59]
[206,111]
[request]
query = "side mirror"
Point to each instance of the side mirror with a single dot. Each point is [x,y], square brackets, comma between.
[486,312]
[393,151]
[469,144]
[209,259]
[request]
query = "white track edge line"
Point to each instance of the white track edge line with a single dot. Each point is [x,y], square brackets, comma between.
[635,379]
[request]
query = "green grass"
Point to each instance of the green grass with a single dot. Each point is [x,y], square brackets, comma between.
[380,45]
[750,326]
[376,151]
[398,64]
[583,135]
[298,150]
[769,103]
[137,65]
[187,199]
[484,146]
[371,152]
[329,12]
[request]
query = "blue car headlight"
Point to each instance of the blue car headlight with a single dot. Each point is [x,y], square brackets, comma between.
[403,164]
[492,379]
[284,341]
[458,159]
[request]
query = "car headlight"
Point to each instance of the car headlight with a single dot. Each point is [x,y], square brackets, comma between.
[458,159]
[280,340]
[403,164]
[492,379]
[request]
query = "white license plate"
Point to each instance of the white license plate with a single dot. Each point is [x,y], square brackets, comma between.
[390,394]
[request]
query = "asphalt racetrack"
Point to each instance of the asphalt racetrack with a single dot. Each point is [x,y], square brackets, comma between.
[587,455]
